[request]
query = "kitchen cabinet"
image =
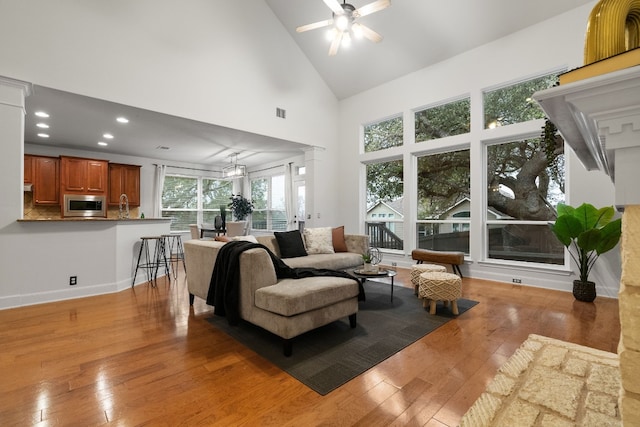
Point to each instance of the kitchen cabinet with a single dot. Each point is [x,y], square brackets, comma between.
[46,181]
[28,169]
[124,179]
[84,176]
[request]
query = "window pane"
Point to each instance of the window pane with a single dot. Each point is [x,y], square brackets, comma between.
[524,242]
[180,192]
[524,183]
[259,189]
[215,193]
[277,192]
[444,237]
[382,135]
[384,196]
[449,119]
[513,104]
[259,220]
[181,219]
[443,185]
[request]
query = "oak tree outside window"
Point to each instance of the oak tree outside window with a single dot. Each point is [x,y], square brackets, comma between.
[384,188]
[453,118]
[267,195]
[383,135]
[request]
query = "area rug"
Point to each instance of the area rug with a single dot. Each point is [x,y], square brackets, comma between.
[550,383]
[327,357]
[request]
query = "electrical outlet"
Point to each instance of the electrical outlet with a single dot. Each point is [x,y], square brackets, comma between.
[516,280]
[73,280]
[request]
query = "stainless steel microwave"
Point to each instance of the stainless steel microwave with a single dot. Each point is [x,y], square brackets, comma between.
[79,205]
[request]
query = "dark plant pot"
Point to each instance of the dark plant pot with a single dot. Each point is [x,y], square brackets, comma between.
[584,291]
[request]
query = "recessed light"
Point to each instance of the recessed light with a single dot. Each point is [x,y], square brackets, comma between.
[122,120]
[41,114]
[43,125]
[102,143]
[108,136]
[43,135]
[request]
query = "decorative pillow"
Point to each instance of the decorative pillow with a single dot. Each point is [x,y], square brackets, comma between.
[248,238]
[319,240]
[222,239]
[290,244]
[339,245]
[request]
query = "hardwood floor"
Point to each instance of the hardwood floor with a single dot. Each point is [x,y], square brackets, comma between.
[144,357]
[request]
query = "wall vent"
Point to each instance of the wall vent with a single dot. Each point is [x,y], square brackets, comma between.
[281,112]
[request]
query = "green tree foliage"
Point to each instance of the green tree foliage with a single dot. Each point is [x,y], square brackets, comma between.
[215,193]
[449,119]
[513,104]
[384,181]
[382,135]
[443,181]
[180,192]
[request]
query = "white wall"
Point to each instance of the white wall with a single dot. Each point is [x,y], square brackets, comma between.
[220,62]
[542,48]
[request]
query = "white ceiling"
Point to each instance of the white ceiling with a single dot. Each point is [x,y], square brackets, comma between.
[417,33]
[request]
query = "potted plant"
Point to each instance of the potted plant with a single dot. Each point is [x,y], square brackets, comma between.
[587,232]
[240,207]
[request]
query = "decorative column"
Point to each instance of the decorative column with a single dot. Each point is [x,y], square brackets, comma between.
[12,117]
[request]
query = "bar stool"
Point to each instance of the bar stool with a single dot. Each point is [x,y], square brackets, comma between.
[173,245]
[152,264]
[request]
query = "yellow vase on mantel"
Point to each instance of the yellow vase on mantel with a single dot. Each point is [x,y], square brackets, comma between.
[613,28]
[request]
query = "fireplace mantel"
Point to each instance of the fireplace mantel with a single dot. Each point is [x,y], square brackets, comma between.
[599,118]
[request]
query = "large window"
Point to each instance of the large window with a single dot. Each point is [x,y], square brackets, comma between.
[444,201]
[525,184]
[193,200]
[385,197]
[269,212]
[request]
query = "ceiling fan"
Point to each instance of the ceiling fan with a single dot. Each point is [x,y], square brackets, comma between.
[343,23]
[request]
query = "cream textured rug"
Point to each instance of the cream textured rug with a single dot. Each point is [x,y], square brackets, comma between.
[551,383]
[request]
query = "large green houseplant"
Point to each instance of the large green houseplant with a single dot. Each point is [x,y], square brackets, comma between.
[587,232]
[240,206]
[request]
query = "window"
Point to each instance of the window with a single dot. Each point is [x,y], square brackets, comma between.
[269,212]
[443,196]
[449,119]
[193,200]
[525,184]
[382,135]
[384,184]
[513,104]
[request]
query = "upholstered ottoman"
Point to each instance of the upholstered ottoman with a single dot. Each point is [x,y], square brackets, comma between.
[438,286]
[418,269]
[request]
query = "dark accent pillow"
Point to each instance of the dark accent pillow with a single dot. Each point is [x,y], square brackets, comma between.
[290,244]
[339,245]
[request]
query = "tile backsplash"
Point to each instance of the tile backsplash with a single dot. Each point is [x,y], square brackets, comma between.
[32,211]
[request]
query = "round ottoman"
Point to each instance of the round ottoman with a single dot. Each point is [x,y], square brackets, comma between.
[438,286]
[418,269]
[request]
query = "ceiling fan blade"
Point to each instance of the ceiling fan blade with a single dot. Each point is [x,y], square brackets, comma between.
[335,44]
[370,8]
[334,5]
[314,25]
[367,32]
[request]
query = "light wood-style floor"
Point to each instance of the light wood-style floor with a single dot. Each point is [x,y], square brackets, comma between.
[143,357]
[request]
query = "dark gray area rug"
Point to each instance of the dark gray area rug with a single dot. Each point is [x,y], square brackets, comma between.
[327,357]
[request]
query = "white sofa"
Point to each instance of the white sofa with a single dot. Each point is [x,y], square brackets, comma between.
[285,307]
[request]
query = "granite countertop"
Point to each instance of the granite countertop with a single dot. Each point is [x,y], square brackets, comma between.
[82,219]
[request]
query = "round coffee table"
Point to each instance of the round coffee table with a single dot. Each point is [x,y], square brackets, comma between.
[363,276]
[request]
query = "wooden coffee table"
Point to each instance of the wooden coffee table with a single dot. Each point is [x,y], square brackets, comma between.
[363,276]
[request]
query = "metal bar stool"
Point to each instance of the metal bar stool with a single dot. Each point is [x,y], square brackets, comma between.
[152,264]
[173,245]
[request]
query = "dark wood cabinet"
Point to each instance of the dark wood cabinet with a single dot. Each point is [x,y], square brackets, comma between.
[124,179]
[28,169]
[84,176]
[46,183]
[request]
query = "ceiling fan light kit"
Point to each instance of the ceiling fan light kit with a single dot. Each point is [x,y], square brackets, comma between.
[343,23]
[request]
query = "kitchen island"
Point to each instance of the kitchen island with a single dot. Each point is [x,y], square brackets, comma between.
[100,252]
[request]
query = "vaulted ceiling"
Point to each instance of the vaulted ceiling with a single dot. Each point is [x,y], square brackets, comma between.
[416,34]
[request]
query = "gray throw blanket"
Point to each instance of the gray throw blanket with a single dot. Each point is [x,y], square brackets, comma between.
[224,293]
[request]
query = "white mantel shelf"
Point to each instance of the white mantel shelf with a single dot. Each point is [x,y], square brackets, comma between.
[599,118]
